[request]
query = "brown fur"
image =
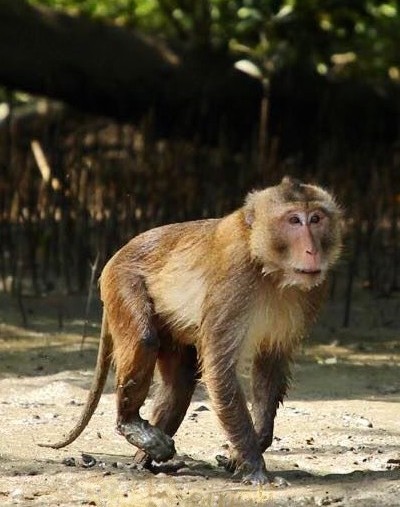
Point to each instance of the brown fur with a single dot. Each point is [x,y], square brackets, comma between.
[247,286]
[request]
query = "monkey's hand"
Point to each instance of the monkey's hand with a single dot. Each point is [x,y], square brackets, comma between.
[245,472]
[230,464]
[254,474]
[148,438]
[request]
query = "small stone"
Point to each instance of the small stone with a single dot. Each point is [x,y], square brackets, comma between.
[16,493]
[356,420]
[392,464]
[75,403]
[280,482]
[88,461]
[69,462]
[139,467]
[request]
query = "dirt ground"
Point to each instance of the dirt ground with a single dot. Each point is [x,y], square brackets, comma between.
[337,438]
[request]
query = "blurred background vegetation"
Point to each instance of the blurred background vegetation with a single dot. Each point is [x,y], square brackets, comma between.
[103,134]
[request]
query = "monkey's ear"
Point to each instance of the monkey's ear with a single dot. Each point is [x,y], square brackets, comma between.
[289,181]
[286,180]
[249,208]
[249,214]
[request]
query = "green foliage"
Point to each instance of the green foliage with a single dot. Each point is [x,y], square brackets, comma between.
[118,10]
[335,37]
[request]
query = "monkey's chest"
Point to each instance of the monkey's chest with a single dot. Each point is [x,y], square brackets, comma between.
[276,322]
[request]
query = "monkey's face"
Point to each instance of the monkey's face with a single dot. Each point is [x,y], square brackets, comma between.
[295,238]
[301,246]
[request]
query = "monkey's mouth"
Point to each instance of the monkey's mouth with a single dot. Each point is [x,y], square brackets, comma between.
[307,271]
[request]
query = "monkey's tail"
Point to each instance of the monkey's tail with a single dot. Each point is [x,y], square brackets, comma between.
[100,376]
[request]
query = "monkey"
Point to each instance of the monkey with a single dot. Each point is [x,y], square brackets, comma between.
[200,299]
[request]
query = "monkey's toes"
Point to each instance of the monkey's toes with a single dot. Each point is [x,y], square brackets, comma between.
[261,477]
[229,464]
[150,439]
[142,460]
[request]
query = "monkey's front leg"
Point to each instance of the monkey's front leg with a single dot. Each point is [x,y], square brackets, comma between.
[270,381]
[220,376]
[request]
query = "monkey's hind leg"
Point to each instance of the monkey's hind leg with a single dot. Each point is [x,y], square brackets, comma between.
[179,372]
[135,347]
[132,389]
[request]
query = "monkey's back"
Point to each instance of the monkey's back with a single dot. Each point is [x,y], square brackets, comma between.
[171,262]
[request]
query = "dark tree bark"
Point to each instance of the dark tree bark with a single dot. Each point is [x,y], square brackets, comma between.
[115,72]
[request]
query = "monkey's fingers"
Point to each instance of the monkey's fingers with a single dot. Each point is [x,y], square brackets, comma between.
[257,478]
[229,464]
[149,439]
[255,475]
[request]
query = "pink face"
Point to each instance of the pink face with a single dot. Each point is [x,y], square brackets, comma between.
[304,233]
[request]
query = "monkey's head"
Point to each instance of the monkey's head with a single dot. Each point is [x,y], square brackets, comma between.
[295,232]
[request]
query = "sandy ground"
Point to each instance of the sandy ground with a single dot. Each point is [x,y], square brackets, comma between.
[337,438]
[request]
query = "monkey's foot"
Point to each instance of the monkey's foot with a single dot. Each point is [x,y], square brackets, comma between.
[149,439]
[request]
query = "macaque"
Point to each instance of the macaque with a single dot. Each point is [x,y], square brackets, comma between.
[200,299]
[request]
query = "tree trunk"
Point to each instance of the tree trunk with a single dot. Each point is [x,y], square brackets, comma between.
[115,72]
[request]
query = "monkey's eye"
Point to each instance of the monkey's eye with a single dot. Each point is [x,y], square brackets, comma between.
[294,220]
[315,219]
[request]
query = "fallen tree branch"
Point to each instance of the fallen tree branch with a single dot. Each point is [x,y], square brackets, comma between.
[116,72]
